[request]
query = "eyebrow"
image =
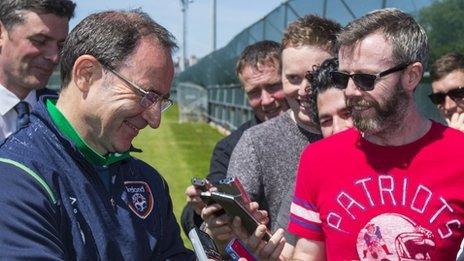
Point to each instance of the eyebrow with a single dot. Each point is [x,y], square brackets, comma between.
[325,115]
[48,38]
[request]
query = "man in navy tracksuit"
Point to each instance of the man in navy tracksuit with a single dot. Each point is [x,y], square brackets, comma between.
[69,188]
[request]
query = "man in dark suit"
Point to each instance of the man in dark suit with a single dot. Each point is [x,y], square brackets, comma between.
[31,36]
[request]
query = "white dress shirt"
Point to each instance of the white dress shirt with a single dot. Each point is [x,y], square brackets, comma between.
[8,115]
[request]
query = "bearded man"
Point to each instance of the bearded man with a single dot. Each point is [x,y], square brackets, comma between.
[397,171]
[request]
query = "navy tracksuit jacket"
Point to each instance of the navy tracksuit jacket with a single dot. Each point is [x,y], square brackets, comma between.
[54,206]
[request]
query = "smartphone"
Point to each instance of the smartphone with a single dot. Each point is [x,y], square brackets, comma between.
[233,186]
[234,207]
[209,200]
[201,184]
[236,250]
[203,245]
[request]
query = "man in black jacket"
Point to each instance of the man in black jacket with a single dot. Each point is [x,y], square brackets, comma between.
[258,70]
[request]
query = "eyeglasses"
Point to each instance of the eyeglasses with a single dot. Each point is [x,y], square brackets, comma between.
[457,95]
[148,97]
[364,81]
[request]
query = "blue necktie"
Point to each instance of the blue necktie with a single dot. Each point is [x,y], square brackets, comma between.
[22,108]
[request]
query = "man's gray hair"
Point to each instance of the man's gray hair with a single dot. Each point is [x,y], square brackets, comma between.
[408,38]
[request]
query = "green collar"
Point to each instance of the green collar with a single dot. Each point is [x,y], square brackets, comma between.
[65,127]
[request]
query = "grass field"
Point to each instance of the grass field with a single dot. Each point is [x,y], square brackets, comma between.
[179,152]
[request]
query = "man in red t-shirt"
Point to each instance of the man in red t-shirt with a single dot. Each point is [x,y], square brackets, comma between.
[391,189]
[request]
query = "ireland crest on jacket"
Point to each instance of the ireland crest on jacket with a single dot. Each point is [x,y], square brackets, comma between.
[139,198]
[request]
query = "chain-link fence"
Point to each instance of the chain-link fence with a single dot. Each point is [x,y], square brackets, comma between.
[194,99]
[215,73]
[54,82]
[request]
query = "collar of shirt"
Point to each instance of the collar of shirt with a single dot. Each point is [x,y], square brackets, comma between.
[65,127]
[9,99]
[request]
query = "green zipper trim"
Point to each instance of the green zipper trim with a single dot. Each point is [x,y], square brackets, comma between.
[36,176]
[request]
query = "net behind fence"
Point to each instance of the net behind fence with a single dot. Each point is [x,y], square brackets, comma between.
[226,102]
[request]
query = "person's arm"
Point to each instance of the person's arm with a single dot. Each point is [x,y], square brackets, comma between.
[217,224]
[29,221]
[270,250]
[309,250]
[219,227]
[193,198]
[304,219]
[220,160]
[282,222]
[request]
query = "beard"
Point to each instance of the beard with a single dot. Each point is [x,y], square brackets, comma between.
[387,116]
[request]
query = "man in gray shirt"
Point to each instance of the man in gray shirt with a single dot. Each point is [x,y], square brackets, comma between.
[266,156]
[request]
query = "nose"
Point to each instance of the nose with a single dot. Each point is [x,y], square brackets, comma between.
[266,98]
[351,89]
[152,115]
[302,88]
[52,53]
[449,104]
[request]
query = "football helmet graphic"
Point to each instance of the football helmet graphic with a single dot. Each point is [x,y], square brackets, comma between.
[392,236]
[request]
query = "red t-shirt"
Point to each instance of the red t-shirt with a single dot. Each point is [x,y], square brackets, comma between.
[371,202]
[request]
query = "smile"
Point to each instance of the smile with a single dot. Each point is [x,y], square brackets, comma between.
[271,111]
[131,126]
[304,104]
[44,70]
[359,108]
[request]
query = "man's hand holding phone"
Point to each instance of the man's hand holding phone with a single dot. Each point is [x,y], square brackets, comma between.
[193,193]
[217,222]
[263,249]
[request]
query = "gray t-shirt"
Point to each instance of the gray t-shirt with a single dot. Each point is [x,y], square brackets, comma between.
[284,215]
[266,159]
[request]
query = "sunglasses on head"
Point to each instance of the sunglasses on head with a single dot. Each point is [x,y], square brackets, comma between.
[457,95]
[363,81]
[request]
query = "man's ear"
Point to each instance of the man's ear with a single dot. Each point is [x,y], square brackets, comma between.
[86,71]
[3,35]
[413,76]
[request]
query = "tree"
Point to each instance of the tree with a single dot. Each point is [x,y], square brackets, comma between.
[443,21]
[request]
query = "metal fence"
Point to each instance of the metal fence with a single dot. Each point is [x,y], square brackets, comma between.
[195,101]
[54,82]
[227,104]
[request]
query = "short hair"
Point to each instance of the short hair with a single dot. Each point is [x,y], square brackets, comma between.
[10,10]
[312,30]
[408,38]
[320,80]
[111,37]
[446,65]
[259,53]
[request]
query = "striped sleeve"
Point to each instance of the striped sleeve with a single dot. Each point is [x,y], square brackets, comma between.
[305,220]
